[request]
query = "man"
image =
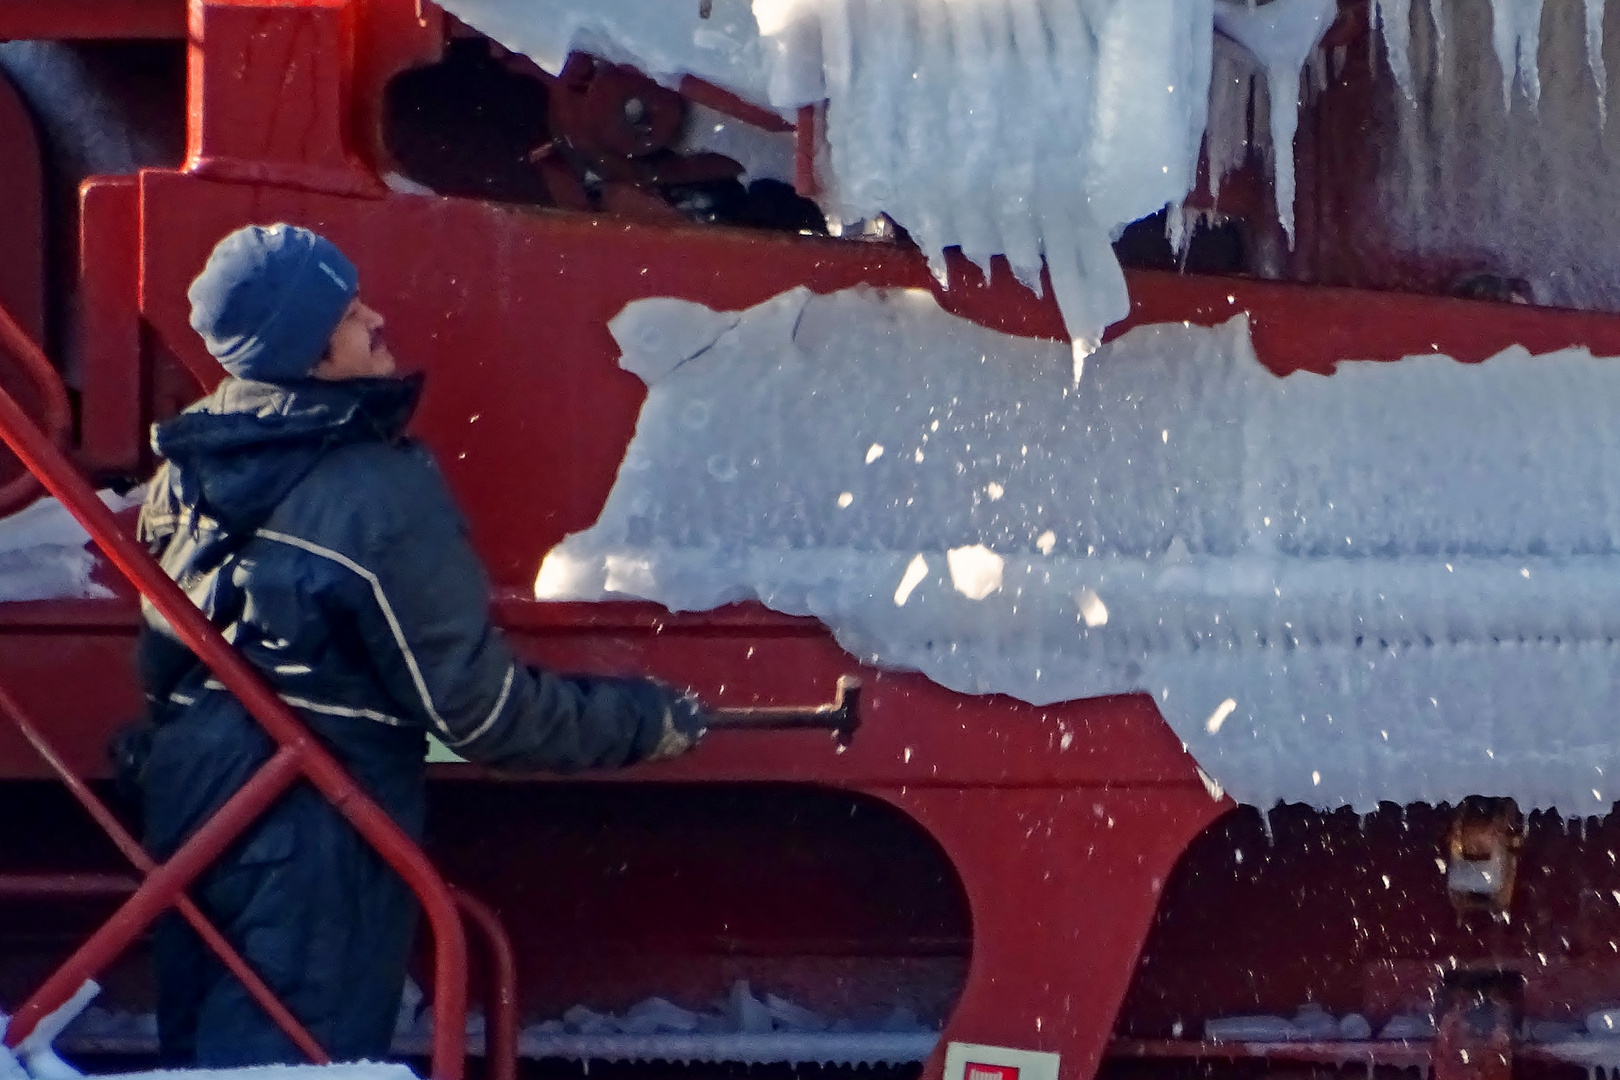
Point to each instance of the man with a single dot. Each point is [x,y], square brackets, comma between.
[324,545]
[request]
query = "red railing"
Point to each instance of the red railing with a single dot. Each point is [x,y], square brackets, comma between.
[299,757]
[56,418]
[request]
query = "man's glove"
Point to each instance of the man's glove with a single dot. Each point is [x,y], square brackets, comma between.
[684,724]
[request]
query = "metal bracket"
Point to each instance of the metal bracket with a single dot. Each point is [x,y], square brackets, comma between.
[841,716]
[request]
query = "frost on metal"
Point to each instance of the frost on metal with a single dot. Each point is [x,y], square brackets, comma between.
[1401,582]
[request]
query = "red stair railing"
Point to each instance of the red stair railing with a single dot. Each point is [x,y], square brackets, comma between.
[299,757]
[56,418]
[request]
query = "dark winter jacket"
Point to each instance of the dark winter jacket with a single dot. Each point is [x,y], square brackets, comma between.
[325,546]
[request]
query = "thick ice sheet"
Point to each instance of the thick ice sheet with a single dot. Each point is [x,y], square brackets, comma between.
[1400,583]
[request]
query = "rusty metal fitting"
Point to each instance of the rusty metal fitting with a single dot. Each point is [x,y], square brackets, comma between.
[1482,854]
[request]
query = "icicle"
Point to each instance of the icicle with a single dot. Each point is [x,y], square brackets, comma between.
[1316,70]
[1516,35]
[1395,16]
[1175,229]
[1594,57]
[1437,16]
[1281,34]
[1231,101]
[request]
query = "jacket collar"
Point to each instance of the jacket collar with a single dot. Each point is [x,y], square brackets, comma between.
[238,451]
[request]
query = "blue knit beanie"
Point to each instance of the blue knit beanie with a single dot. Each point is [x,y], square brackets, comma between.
[268,300]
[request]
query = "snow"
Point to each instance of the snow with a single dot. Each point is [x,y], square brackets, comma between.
[739,1027]
[1399,583]
[352,1070]
[1310,1023]
[35,1057]
[43,554]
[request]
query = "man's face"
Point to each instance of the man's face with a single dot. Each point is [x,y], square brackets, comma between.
[357,349]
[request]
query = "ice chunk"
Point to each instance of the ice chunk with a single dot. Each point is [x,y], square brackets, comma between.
[791,1017]
[1281,36]
[589,1021]
[1315,1022]
[1093,612]
[657,1014]
[916,571]
[748,1014]
[1251,1029]
[43,554]
[1408,1027]
[657,335]
[975,570]
[1354,610]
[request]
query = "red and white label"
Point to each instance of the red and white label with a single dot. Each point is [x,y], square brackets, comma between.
[975,1061]
[978,1070]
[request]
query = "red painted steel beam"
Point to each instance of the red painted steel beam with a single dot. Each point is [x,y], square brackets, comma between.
[22,287]
[299,756]
[63,20]
[268,86]
[111,395]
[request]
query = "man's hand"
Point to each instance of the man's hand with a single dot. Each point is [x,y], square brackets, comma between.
[684,724]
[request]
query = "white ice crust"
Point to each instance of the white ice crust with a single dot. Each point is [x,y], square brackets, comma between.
[663,40]
[1398,583]
[43,554]
[1033,129]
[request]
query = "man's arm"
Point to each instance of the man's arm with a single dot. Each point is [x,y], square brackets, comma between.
[427,628]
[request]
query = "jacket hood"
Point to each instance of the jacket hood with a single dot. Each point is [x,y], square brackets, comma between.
[238,451]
